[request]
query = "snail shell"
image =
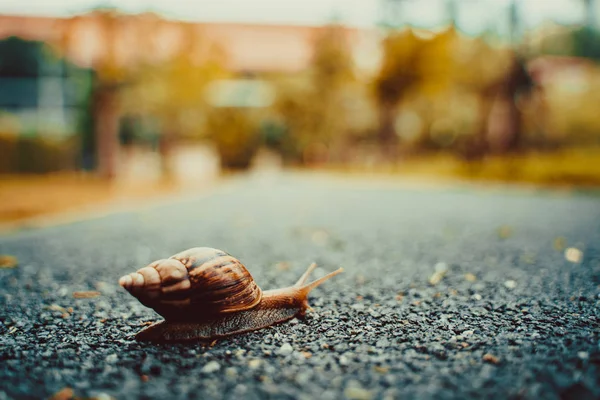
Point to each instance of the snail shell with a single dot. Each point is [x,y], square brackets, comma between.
[202,279]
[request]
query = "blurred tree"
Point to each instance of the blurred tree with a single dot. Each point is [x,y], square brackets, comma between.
[110,75]
[235,133]
[297,115]
[436,62]
[332,74]
[514,85]
[233,120]
[332,64]
[412,62]
[480,69]
[313,106]
[590,14]
[172,91]
[163,86]
[399,72]
[586,43]
[581,41]
[420,70]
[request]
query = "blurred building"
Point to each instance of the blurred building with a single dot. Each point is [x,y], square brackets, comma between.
[108,43]
[45,94]
[148,37]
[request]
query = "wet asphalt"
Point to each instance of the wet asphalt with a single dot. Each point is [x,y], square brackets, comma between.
[456,292]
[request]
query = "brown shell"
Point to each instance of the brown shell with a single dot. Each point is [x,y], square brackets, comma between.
[219,281]
[197,281]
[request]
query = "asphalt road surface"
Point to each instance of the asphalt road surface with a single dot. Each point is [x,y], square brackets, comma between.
[448,293]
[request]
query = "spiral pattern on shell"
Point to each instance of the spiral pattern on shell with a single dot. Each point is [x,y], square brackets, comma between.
[200,280]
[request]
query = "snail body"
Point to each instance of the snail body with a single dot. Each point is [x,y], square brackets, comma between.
[205,293]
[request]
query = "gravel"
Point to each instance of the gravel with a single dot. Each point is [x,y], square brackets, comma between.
[510,313]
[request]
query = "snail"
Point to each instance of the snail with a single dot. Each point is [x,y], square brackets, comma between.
[204,293]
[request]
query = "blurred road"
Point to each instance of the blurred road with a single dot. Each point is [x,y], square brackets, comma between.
[448,292]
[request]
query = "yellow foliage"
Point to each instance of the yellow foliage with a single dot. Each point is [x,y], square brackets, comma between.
[174,90]
[315,105]
[437,62]
[399,69]
[109,69]
[235,134]
[432,64]
[332,62]
[572,107]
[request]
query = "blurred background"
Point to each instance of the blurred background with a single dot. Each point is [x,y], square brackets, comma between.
[139,94]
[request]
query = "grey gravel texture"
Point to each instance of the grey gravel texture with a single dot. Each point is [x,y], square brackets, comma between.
[449,293]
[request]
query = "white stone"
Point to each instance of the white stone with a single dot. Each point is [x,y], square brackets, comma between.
[211,367]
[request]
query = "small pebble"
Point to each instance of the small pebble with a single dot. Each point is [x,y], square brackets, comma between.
[282,266]
[320,237]
[510,284]
[441,267]
[355,391]
[286,349]
[560,243]
[573,255]
[255,363]
[56,307]
[436,278]
[8,261]
[210,367]
[490,358]
[381,370]
[102,396]
[504,232]
[86,294]
[106,288]
[63,394]
[360,279]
